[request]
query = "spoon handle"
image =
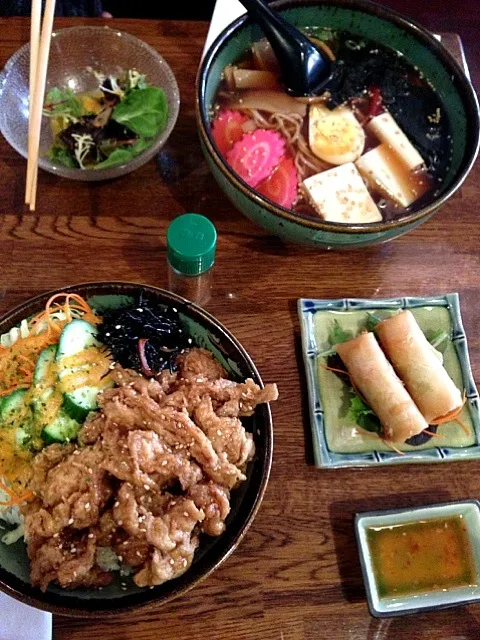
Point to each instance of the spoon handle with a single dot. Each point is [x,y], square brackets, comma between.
[291,46]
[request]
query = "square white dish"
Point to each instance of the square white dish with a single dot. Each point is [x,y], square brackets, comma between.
[408,604]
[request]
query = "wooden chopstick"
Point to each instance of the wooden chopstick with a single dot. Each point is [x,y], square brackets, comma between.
[36,107]
[35,21]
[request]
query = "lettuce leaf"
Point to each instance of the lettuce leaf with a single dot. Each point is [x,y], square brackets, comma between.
[59,154]
[64,103]
[121,155]
[362,415]
[144,111]
[337,334]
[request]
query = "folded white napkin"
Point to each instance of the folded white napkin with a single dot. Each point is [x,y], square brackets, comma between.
[21,622]
[225,12]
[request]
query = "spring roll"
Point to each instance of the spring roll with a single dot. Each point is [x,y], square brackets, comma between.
[417,364]
[375,379]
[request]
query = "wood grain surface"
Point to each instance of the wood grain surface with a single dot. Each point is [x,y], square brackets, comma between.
[296,576]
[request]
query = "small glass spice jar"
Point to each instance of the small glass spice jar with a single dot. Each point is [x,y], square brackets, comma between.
[191,243]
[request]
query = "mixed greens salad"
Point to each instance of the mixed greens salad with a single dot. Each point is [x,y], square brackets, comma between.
[108,126]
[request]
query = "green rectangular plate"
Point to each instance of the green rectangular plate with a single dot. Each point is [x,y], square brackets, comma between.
[336,441]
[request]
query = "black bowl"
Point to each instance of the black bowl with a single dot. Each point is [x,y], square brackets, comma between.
[245,501]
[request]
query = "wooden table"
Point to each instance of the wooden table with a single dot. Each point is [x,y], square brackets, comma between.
[296,576]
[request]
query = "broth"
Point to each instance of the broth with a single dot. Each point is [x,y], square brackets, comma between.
[403,141]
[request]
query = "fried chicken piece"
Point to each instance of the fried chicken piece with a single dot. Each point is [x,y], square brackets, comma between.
[171,534]
[156,387]
[68,559]
[161,568]
[174,428]
[213,500]
[106,529]
[46,460]
[132,551]
[72,492]
[199,363]
[141,458]
[227,435]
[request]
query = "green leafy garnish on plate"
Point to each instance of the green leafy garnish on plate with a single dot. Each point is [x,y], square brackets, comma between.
[337,334]
[144,111]
[362,415]
[372,321]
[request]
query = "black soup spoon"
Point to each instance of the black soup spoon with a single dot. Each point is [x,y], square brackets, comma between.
[305,69]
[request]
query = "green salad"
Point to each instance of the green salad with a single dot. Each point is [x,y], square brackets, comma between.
[108,126]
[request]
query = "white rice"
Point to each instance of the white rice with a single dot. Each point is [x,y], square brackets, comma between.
[10,516]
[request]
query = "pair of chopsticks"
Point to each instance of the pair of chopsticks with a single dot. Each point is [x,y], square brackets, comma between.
[40,38]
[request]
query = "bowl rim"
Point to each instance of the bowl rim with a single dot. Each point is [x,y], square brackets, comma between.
[46,601]
[120,169]
[465,88]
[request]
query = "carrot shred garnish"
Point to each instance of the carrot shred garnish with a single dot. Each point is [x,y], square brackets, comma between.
[451,415]
[13,498]
[324,366]
[393,447]
[464,426]
[434,435]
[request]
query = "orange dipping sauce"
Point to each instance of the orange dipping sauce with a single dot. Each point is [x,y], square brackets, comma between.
[416,557]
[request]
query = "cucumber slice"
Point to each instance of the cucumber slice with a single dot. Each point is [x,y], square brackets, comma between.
[62,429]
[77,336]
[15,414]
[12,408]
[44,380]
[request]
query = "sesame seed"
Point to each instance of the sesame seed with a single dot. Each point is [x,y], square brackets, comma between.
[55,535]
[87,507]
[172,561]
[117,504]
[120,522]
[73,550]
[185,513]
[90,535]
[118,326]
[120,558]
[70,521]
[146,487]
[219,433]
[164,463]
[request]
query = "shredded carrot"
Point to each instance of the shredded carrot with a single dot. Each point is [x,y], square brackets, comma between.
[451,415]
[464,426]
[44,330]
[324,366]
[434,435]
[393,447]
[386,442]
[6,392]
[13,498]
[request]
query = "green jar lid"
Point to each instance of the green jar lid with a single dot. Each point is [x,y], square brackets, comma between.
[191,242]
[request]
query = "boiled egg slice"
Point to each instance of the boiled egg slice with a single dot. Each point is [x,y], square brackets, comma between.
[335,136]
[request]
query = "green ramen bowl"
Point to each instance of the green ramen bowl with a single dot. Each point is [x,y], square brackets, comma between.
[122,594]
[388,28]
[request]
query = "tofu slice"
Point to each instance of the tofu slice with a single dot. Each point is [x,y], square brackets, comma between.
[387,175]
[340,195]
[387,131]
